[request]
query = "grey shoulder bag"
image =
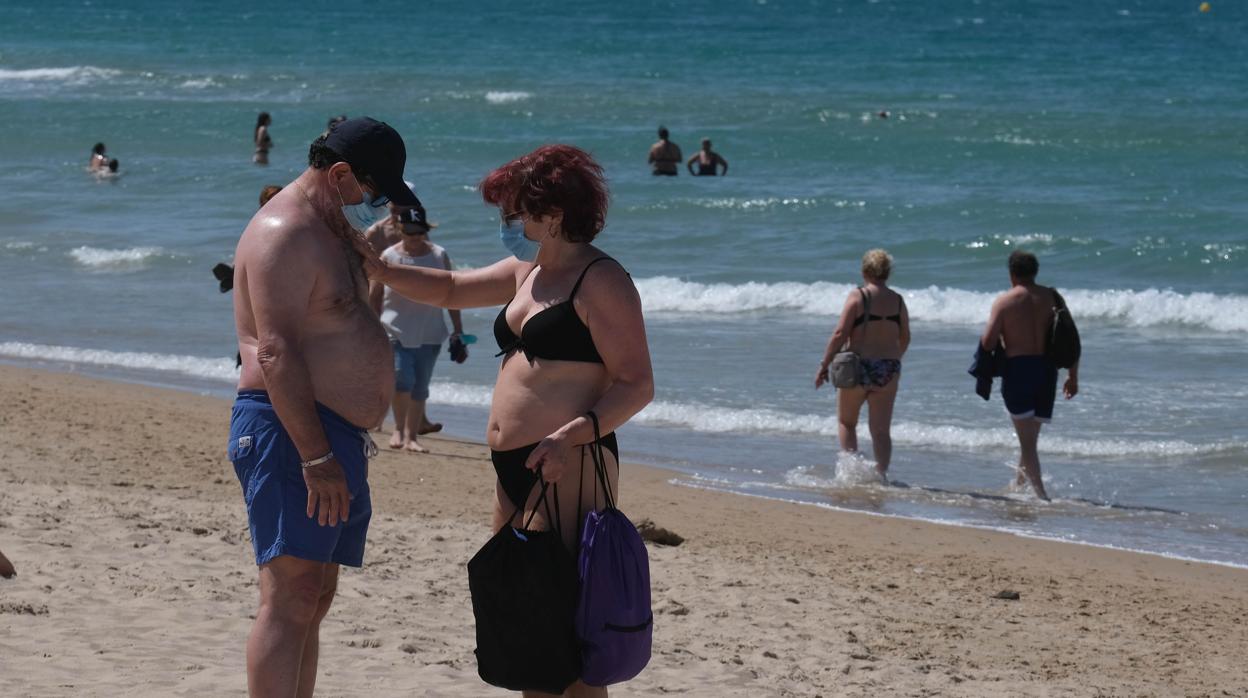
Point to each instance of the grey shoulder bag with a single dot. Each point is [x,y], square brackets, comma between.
[845,369]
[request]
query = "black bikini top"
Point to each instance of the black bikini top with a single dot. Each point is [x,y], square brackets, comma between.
[555,333]
[868,317]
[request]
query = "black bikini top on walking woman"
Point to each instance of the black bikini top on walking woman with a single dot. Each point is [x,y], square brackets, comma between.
[868,317]
[555,333]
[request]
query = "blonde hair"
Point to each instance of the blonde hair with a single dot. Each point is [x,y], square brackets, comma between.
[877,264]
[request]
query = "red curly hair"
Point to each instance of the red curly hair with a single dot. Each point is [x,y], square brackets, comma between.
[551,179]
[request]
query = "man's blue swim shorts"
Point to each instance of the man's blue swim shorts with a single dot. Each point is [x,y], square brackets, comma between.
[1029,386]
[267,465]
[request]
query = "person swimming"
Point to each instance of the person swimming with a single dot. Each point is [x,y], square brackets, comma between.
[665,156]
[708,161]
[110,170]
[263,141]
[98,159]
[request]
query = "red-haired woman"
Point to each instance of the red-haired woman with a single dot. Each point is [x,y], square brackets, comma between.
[570,333]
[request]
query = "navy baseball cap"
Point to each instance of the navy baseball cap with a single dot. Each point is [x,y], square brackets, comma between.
[376,150]
[416,216]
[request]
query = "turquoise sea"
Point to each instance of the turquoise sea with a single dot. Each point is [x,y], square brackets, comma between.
[1107,137]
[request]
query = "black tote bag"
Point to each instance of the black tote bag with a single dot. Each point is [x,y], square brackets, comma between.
[524,595]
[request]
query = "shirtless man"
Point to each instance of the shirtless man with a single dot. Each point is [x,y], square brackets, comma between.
[665,156]
[1022,318]
[708,161]
[317,370]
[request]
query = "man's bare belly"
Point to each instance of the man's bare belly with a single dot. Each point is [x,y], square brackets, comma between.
[350,363]
[533,401]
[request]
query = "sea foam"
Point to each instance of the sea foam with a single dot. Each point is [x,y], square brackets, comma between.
[198,367]
[506,97]
[131,258]
[72,74]
[695,417]
[1146,308]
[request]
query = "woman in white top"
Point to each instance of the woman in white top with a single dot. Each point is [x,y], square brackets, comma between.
[416,330]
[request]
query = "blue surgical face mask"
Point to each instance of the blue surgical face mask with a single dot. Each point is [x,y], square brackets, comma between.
[511,232]
[363,215]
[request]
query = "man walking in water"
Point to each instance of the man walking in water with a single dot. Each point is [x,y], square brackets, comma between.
[708,161]
[665,156]
[1022,319]
[316,371]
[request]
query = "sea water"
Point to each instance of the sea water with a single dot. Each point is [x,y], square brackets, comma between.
[1105,137]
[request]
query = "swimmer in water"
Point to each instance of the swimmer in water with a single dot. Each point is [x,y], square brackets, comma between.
[109,172]
[665,156]
[708,161]
[98,161]
[261,138]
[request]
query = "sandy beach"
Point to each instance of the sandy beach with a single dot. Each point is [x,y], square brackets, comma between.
[135,577]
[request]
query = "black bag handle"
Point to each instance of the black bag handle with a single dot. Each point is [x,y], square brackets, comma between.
[543,502]
[600,464]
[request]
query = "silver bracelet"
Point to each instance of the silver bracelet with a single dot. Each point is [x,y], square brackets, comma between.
[317,461]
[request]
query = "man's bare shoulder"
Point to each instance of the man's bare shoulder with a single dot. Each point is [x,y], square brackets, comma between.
[279,231]
[1011,298]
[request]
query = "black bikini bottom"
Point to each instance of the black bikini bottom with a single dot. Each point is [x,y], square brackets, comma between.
[517,480]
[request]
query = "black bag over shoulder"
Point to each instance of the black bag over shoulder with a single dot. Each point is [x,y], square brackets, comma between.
[1063,347]
[524,595]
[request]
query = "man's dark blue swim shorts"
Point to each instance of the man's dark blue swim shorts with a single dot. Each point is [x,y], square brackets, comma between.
[267,465]
[1029,386]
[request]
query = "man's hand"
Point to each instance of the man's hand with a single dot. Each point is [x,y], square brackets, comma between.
[822,376]
[329,500]
[1071,388]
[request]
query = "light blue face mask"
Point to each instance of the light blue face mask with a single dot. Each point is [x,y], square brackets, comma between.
[511,232]
[363,215]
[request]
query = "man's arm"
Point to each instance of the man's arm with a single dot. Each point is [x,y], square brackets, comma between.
[1071,387]
[723,162]
[689,162]
[280,278]
[992,332]
[654,149]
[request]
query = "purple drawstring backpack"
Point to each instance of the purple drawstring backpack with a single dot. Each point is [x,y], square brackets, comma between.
[613,618]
